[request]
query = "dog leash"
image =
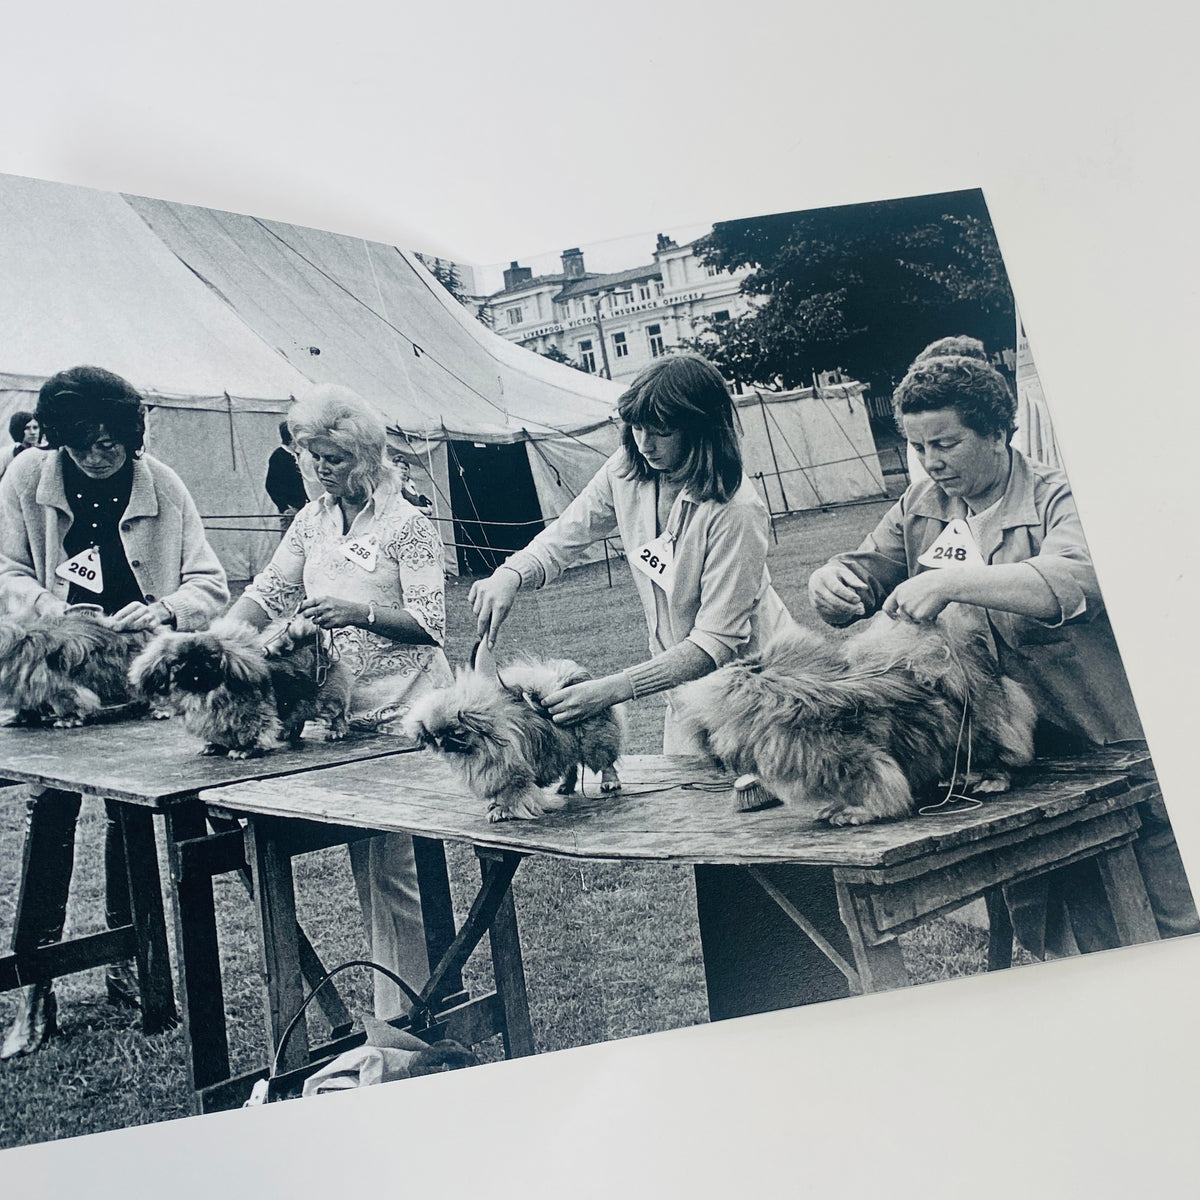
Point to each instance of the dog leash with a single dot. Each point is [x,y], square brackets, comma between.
[970,803]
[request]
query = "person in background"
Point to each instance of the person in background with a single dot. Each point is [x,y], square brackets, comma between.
[363,563]
[408,488]
[94,491]
[1020,572]
[25,432]
[285,484]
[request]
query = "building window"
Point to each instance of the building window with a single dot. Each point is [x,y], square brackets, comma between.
[587,356]
[654,337]
[658,288]
[644,292]
[722,315]
[514,316]
[620,345]
[710,271]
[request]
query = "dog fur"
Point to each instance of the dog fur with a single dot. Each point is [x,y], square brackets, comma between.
[243,692]
[494,731]
[66,668]
[862,727]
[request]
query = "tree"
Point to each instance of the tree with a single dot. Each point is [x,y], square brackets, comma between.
[553,353]
[863,287]
[446,273]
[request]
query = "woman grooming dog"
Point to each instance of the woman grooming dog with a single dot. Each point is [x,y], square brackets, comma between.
[695,534]
[992,539]
[94,520]
[363,563]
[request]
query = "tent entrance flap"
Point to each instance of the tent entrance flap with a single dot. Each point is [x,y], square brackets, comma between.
[496,509]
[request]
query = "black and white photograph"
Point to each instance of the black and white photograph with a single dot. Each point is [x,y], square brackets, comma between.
[643,652]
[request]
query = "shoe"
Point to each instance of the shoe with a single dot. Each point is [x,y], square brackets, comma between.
[121,984]
[35,1023]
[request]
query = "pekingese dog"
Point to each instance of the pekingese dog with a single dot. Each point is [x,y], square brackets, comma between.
[244,692]
[862,726]
[493,729]
[65,669]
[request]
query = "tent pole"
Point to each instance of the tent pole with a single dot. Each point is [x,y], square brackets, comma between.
[232,442]
[778,474]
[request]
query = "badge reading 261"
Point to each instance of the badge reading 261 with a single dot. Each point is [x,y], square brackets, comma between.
[653,562]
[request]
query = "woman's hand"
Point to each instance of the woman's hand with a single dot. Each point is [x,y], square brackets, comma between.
[570,705]
[492,598]
[922,597]
[332,612]
[836,592]
[137,616]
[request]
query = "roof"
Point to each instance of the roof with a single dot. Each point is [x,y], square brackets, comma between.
[600,283]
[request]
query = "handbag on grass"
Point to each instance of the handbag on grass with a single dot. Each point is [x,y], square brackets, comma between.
[387,1055]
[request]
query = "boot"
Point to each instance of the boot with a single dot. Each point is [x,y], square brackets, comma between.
[121,984]
[35,1022]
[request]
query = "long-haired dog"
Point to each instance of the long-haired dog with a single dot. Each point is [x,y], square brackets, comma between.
[243,692]
[493,729]
[859,728]
[65,669]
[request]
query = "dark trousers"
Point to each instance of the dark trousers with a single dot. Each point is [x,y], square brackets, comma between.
[48,861]
[756,959]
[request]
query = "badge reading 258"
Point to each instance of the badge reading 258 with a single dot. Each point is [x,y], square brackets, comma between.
[363,552]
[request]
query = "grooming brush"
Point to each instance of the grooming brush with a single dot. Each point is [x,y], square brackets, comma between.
[750,795]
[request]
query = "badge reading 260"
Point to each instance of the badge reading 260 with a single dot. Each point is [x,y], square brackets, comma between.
[77,568]
[653,561]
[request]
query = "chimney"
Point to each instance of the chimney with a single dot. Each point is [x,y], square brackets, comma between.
[572,263]
[516,275]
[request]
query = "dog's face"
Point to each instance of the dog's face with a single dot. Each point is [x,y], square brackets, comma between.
[198,663]
[465,719]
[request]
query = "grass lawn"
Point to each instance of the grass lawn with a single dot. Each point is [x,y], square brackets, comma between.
[611,950]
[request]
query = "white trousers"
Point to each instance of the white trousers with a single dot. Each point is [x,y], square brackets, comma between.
[385,874]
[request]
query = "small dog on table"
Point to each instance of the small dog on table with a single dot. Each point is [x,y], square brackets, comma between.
[492,728]
[860,727]
[65,669]
[243,692]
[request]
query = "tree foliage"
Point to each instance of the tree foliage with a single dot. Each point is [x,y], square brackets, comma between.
[555,354]
[863,287]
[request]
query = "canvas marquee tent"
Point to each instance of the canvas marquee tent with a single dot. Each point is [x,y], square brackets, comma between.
[221,319]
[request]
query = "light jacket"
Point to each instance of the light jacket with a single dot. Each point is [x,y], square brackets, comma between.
[160,530]
[1070,664]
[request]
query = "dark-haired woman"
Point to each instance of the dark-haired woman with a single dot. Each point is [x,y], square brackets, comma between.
[696,534]
[993,539]
[25,432]
[95,494]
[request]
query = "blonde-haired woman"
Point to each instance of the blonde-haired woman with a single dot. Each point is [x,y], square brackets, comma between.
[363,563]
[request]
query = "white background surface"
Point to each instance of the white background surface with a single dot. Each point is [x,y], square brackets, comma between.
[486,132]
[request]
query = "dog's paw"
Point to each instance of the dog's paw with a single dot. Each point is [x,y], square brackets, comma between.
[73,721]
[161,714]
[610,781]
[252,752]
[839,814]
[211,750]
[566,788]
[992,784]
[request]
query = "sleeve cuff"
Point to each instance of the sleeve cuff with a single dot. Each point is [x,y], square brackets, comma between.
[1072,603]
[528,567]
[717,650]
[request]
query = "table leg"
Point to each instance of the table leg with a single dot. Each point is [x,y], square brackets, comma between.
[1126,892]
[1000,930]
[275,897]
[437,906]
[880,963]
[145,899]
[508,968]
[197,956]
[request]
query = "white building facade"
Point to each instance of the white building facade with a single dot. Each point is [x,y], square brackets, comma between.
[615,324]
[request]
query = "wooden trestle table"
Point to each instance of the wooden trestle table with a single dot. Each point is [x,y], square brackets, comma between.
[889,877]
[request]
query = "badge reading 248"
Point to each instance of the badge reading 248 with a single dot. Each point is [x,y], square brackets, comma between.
[83,569]
[955,547]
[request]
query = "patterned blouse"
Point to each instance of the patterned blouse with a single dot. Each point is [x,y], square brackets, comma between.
[391,556]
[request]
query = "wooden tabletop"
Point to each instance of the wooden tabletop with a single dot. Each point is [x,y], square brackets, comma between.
[155,762]
[672,809]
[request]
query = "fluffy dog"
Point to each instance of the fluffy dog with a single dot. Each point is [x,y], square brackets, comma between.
[66,668]
[860,727]
[243,692]
[493,729]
